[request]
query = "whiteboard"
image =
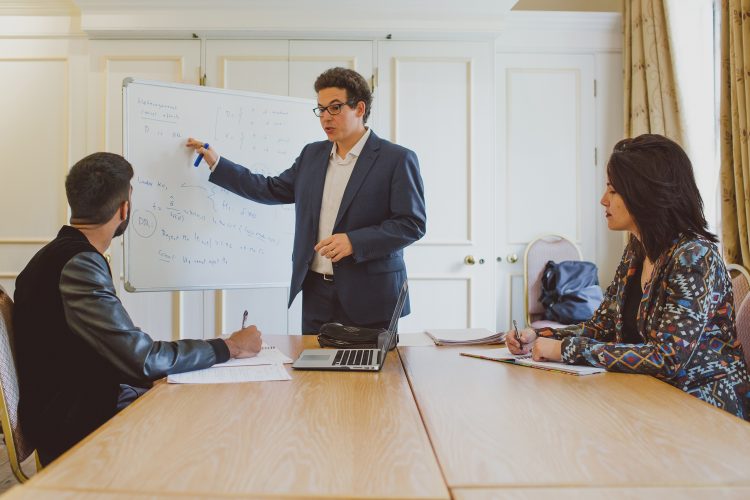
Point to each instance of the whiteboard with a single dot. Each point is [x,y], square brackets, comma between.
[186,233]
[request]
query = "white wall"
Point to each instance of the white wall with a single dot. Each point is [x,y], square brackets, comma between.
[55,106]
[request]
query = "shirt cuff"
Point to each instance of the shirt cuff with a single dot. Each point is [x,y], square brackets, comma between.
[212,167]
[220,350]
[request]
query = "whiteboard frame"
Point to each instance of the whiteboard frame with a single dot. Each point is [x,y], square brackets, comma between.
[126,82]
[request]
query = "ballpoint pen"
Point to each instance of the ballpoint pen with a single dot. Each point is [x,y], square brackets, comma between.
[244,318]
[518,335]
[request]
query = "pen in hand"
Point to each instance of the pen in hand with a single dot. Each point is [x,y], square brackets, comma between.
[244,319]
[518,335]
[200,156]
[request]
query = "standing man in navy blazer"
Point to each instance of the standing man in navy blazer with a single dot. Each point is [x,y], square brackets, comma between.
[359,200]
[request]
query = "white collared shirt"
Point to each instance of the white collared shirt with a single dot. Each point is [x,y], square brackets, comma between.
[337,177]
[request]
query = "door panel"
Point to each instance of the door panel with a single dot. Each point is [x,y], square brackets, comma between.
[157,313]
[433,98]
[40,97]
[308,59]
[545,162]
[252,65]
[281,68]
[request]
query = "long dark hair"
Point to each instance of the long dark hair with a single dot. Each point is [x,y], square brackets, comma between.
[655,178]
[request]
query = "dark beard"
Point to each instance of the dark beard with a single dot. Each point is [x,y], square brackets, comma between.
[123,225]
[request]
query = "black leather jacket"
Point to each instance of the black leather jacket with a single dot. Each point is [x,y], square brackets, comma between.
[75,344]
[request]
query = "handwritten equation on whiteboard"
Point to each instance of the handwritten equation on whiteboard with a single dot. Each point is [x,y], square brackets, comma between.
[186,232]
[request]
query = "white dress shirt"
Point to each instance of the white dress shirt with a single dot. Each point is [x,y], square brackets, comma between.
[337,177]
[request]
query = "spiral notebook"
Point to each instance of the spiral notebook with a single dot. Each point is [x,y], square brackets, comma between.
[503,355]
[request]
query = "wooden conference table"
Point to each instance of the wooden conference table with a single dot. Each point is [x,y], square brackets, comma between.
[472,427]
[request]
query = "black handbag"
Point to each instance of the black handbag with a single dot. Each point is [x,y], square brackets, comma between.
[570,291]
[353,337]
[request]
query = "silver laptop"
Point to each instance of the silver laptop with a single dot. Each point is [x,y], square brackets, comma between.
[354,359]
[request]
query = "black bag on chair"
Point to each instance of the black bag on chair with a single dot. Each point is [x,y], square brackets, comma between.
[570,291]
[353,337]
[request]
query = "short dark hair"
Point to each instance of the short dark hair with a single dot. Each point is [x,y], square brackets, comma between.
[96,186]
[654,176]
[355,85]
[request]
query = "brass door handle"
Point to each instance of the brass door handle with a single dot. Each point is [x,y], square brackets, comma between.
[512,258]
[469,260]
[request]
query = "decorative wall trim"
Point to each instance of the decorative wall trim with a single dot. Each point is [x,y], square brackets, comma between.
[63,209]
[469,19]
[559,32]
[449,277]
[223,60]
[469,62]
[107,59]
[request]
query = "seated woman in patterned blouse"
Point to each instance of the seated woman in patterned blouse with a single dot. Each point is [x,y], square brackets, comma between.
[669,310]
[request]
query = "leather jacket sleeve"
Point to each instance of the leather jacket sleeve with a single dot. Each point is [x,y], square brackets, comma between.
[94,313]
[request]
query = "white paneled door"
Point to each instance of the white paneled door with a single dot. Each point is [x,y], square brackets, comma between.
[436,99]
[546,176]
[278,67]
[163,315]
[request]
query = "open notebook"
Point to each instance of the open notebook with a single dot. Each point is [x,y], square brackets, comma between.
[504,355]
[465,336]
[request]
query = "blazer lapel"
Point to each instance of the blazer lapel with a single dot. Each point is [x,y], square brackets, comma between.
[364,163]
[317,181]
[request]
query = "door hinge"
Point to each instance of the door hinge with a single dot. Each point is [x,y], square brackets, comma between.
[202,80]
[594,87]
[374,80]
[596,156]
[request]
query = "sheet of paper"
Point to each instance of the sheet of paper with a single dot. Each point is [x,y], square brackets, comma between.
[268,355]
[562,367]
[465,336]
[419,339]
[231,375]
[501,353]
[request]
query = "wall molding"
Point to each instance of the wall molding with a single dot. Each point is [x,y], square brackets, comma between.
[402,19]
[560,32]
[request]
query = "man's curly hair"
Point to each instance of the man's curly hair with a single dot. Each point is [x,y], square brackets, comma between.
[355,85]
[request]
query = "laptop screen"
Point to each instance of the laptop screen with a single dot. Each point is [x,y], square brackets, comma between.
[394,321]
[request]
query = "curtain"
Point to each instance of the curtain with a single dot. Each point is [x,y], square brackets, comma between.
[649,83]
[735,156]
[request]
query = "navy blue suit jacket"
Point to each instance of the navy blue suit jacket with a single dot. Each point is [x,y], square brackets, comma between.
[382,211]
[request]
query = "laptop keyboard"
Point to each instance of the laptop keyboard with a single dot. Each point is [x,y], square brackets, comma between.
[353,357]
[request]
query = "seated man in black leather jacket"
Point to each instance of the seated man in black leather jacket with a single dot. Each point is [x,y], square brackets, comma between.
[77,350]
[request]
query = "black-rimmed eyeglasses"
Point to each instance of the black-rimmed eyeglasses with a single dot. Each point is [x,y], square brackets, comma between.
[333,109]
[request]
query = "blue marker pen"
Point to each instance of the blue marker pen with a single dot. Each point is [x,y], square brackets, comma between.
[200,157]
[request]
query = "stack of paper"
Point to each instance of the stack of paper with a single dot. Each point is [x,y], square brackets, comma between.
[504,355]
[466,336]
[267,365]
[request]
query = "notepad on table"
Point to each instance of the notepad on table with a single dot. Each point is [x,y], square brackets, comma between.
[267,365]
[268,355]
[504,355]
[465,336]
[231,375]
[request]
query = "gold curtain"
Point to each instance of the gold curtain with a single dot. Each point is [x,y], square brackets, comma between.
[650,91]
[735,156]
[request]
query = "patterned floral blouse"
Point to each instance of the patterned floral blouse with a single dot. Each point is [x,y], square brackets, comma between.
[686,321]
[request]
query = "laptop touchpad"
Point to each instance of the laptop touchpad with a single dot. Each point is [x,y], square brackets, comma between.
[315,357]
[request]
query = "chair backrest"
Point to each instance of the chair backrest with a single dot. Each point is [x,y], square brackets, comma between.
[538,252]
[740,284]
[742,322]
[18,449]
